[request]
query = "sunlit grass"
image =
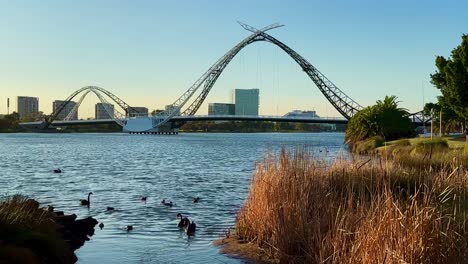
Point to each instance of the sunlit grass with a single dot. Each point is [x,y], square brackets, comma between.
[300,210]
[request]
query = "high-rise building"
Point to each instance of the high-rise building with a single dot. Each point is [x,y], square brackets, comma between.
[27,105]
[104,111]
[221,109]
[65,111]
[246,101]
[138,111]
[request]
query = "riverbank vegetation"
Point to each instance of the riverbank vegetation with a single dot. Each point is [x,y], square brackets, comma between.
[9,123]
[426,152]
[382,121]
[450,112]
[29,234]
[304,210]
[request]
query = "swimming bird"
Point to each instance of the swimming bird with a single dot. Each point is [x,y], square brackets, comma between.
[86,202]
[110,208]
[184,221]
[166,203]
[101,225]
[190,229]
[196,199]
[129,228]
[57,171]
[144,198]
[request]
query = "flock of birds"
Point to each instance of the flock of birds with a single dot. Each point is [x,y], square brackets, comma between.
[184,223]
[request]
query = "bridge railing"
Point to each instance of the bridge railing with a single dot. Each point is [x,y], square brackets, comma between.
[269,117]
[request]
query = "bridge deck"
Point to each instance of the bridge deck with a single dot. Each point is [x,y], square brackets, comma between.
[205,118]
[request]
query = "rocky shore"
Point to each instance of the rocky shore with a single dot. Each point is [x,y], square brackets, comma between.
[31,234]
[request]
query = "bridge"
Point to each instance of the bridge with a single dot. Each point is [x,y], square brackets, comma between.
[291,119]
[182,111]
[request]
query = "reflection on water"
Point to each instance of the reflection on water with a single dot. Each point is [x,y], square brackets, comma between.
[120,169]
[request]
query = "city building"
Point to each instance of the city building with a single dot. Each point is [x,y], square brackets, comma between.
[221,109]
[101,113]
[27,105]
[246,101]
[65,111]
[300,113]
[138,111]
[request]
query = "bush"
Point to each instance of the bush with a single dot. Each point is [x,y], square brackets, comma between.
[368,146]
[402,142]
[383,119]
[427,147]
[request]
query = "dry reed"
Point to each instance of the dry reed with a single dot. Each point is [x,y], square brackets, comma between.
[301,210]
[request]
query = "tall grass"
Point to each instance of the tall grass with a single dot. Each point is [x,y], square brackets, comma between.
[301,210]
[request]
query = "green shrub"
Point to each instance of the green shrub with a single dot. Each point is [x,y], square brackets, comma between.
[384,119]
[368,146]
[402,142]
[431,146]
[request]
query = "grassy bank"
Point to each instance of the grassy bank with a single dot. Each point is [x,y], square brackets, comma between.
[29,234]
[301,210]
[426,152]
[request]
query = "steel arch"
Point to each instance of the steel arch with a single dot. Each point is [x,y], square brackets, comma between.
[98,91]
[345,105]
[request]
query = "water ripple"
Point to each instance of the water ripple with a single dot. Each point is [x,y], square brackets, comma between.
[119,169]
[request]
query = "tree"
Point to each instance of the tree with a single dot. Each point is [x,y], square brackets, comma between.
[156,111]
[383,119]
[34,116]
[451,121]
[451,78]
[9,123]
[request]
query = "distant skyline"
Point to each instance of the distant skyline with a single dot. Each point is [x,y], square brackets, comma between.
[149,52]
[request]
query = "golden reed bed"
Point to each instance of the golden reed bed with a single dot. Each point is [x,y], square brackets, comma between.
[302,210]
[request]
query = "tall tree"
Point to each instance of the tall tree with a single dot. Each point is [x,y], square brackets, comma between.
[451,78]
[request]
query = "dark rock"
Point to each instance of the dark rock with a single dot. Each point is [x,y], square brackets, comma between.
[59,213]
[75,232]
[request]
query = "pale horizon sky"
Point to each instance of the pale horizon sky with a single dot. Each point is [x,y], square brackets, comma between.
[149,52]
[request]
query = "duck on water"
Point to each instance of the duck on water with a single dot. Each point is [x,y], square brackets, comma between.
[166,203]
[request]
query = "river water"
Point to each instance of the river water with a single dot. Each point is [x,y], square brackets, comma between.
[120,168]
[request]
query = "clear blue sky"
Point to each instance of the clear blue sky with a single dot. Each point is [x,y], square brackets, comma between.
[150,52]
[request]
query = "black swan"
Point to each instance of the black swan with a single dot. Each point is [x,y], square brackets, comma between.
[184,221]
[144,198]
[190,229]
[110,208]
[129,228]
[57,171]
[196,199]
[86,202]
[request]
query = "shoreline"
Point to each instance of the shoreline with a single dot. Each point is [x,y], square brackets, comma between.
[31,234]
[236,248]
[343,205]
